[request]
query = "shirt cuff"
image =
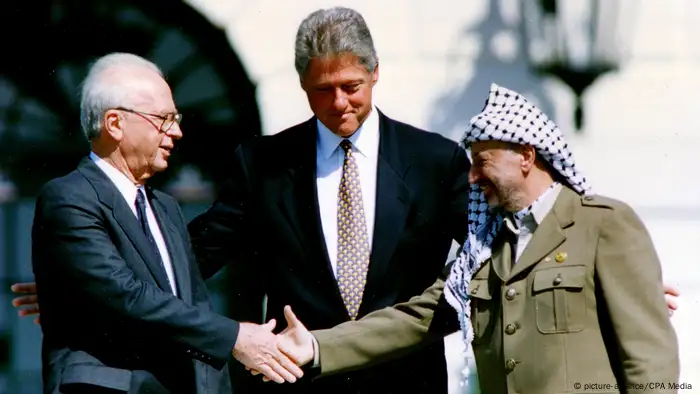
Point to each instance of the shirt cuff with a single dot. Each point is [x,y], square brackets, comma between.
[317,361]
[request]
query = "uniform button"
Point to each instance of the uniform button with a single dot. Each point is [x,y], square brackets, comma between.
[588,198]
[510,294]
[510,329]
[557,281]
[510,364]
[476,289]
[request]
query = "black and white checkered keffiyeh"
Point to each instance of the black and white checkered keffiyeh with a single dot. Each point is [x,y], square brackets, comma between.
[508,117]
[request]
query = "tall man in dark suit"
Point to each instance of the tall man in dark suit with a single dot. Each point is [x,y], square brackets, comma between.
[344,214]
[124,307]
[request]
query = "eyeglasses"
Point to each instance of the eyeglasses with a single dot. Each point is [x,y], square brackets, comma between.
[168,120]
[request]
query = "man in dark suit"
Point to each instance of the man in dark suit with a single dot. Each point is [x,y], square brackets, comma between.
[124,307]
[300,201]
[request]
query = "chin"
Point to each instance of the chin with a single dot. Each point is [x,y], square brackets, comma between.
[346,130]
[159,166]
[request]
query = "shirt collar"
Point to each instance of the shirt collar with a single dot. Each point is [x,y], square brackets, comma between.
[365,140]
[544,204]
[123,184]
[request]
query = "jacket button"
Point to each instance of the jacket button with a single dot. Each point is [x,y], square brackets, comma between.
[557,281]
[510,364]
[510,294]
[510,329]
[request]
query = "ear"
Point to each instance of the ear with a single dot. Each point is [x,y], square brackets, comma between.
[529,156]
[375,74]
[113,124]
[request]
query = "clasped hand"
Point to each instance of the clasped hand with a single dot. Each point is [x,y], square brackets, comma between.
[295,343]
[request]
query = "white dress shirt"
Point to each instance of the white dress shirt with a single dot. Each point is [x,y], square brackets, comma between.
[329,171]
[128,190]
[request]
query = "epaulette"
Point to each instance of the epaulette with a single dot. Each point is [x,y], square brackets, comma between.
[595,200]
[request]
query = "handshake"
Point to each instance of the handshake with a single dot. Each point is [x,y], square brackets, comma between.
[277,357]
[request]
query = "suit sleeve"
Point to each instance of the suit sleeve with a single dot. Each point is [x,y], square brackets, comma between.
[219,235]
[629,273]
[69,234]
[222,236]
[459,194]
[380,336]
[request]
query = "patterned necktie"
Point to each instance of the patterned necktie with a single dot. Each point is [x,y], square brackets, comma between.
[353,244]
[143,221]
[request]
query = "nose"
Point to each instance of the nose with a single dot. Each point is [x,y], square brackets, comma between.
[340,100]
[175,132]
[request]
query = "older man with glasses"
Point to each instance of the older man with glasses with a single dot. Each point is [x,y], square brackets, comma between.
[124,306]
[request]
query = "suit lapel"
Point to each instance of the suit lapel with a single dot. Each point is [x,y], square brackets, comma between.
[173,242]
[299,203]
[110,196]
[299,200]
[391,205]
[549,233]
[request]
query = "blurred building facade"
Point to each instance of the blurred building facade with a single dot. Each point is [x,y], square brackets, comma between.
[437,60]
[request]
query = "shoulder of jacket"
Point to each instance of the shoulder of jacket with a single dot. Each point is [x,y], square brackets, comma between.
[73,184]
[598,201]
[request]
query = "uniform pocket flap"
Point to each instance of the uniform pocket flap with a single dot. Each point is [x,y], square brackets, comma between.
[571,277]
[479,288]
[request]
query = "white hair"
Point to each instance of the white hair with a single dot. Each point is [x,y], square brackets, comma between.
[99,95]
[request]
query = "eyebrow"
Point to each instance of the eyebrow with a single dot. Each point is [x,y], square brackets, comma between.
[344,83]
[167,112]
[481,156]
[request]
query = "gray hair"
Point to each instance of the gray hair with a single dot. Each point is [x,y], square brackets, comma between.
[99,95]
[331,32]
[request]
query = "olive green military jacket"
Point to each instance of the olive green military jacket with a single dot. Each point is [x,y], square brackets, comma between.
[582,311]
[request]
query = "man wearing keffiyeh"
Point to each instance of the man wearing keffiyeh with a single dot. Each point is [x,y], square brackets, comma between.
[556,289]
[552,271]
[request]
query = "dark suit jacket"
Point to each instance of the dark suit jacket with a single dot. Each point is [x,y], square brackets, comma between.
[266,222]
[108,316]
